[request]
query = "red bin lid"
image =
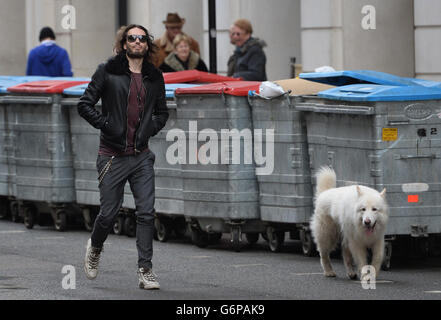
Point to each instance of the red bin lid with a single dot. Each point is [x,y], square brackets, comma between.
[195,76]
[234,88]
[45,86]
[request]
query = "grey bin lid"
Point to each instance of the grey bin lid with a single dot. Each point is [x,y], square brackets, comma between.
[5,84]
[372,92]
[342,78]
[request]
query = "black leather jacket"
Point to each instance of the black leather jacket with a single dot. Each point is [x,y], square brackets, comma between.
[111,83]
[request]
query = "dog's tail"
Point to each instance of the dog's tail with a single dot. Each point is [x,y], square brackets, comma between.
[326,179]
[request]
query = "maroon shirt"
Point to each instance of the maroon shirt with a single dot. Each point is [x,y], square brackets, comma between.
[134,110]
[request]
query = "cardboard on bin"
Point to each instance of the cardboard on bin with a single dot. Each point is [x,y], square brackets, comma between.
[372,92]
[195,76]
[234,88]
[342,78]
[300,87]
[45,86]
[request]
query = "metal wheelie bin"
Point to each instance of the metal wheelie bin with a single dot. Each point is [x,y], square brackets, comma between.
[7,164]
[285,195]
[168,185]
[84,142]
[213,143]
[7,172]
[384,136]
[169,202]
[42,152]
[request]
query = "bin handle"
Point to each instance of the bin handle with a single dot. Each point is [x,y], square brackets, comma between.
[286,94]
[69,102]
[26,99]
[335,108]
[416,156]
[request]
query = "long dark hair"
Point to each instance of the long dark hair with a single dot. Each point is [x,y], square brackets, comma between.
[121,38]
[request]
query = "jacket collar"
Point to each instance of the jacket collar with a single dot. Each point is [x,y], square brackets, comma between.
[119,65]
[173,61]
[249,43]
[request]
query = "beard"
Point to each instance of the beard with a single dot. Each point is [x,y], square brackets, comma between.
[136,54]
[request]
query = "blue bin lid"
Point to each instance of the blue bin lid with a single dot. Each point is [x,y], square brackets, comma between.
[341,78]
[6,83]
[373,92]
[77,90]
[23,79]
[171,87]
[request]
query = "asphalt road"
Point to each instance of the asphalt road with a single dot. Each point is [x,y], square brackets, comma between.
[32,261]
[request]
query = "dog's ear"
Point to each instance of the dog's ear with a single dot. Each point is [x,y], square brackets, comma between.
[383,193]
[359,191]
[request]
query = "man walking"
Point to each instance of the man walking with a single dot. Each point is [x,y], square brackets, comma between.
[133,110]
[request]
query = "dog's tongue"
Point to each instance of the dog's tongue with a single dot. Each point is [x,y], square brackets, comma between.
[369,231]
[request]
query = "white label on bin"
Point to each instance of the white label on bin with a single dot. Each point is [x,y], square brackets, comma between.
[414,187]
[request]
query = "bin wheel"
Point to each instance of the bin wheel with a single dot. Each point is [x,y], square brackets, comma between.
[15,216]
[60,222]
[214,238]
[308,246]
[163,229]
[130,226]
[435,246]
[252,238]
[387,256]
[180,227]
[236,238]
[118,227]
[199,237]
[29,217]
[275,239]
[4,209]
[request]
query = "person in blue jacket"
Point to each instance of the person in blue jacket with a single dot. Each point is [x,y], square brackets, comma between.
[48,59]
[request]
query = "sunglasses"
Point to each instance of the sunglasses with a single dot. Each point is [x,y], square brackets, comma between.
[133,37]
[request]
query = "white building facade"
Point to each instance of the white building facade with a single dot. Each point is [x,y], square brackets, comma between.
[395,36]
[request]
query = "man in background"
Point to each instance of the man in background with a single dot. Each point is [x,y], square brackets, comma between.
[48,59]
[173,25]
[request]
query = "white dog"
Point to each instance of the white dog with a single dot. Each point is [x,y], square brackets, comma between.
[356,216]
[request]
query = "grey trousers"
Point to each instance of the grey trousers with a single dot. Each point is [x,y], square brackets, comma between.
[138,170]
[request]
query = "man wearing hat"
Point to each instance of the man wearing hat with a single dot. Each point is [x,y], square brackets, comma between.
[173,25]
[48,59]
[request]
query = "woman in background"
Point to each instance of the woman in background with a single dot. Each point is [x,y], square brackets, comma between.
[182,58]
